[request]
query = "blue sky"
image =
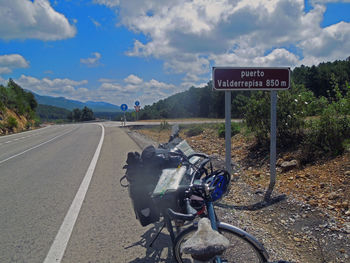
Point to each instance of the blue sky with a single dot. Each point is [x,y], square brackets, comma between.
[120,51]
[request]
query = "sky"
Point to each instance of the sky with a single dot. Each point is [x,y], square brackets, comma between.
[122,51]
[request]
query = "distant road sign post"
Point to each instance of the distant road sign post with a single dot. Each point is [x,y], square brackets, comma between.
[124,108]
[137,108]
[252,78]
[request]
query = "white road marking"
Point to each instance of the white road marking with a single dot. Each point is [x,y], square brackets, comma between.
[34,147]
[59,245]
[8,142]
[26,132]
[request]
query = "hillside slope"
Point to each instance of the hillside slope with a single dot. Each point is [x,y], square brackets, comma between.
[11,122]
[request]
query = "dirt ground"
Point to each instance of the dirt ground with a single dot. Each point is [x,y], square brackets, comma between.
[308,219]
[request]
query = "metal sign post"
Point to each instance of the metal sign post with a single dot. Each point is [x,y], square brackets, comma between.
[124,108]
[137,108]
[236,78]
[273,132]
[228,131]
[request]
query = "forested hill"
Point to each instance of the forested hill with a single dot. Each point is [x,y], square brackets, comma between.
[50,113]
[204,102]
[320,79]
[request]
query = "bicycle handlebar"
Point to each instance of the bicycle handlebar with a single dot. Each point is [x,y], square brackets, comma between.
[191,213]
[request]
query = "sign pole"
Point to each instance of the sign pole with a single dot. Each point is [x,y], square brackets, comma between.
[252,78]
[228,131]
[124,108]
[273,136]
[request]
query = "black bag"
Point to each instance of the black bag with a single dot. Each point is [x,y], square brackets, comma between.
[142,173]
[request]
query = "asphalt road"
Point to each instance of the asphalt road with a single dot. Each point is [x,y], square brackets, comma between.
[42,175]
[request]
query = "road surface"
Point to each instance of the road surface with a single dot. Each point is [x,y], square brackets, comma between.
[58,205]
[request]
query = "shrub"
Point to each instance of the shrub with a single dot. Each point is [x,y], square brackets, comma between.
[12,123]
[164,125]
[292,107]
[235,129]
[194,131]
[28,125]
[37,122]
[328,135]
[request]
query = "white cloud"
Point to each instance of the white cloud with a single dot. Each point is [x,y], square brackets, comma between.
[328,44]
[23,19]
[132,79]
[134,88]
[190,36]
[155,84]
[53,87]
[109,91]
[106,80]
[10,62]
[110,87]
[278,57]
[92,61]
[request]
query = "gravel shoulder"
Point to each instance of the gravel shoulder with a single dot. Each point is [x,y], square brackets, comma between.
[289,228]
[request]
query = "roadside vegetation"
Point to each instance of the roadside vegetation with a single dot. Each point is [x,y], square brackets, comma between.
[17,108]
[316,127]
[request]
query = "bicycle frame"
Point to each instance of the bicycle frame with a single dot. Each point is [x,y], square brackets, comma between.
[211,216]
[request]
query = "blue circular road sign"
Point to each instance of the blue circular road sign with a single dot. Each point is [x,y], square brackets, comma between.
[137,103]
[124,107]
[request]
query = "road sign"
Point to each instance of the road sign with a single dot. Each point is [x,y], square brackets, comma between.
[123,107]
[226,78]
[137,103]
[137,108]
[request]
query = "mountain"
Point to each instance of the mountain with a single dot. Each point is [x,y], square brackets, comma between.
[62,102]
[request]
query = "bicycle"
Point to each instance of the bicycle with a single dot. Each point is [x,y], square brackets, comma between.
[193,195]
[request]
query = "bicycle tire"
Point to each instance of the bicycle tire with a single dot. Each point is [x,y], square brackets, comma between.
[243,247]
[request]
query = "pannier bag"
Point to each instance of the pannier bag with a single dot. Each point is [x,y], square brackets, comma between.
[142,173]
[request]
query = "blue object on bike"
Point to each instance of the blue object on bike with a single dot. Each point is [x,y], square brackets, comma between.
[221,182]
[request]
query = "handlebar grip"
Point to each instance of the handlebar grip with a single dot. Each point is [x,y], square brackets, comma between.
[176,215]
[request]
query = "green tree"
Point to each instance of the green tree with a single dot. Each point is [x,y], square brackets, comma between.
[70,116]
[76,115]
[87,114]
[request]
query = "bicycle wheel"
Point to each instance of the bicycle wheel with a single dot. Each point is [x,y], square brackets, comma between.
[243,247]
